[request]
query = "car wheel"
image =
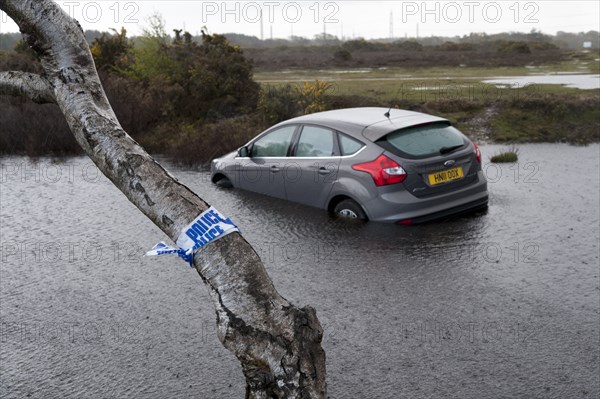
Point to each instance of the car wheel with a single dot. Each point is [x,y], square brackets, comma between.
[224,183]
[349,209]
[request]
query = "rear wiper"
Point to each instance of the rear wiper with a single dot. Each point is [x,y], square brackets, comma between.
[448,150]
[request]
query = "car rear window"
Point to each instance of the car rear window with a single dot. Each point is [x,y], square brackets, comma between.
[424,141]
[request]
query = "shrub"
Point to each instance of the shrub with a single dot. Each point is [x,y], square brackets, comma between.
[29,128]
[279,103]
[138,109]
[211,80]
[198,144]
[543,46]
[352,101]
[22,47]
[19,62]
[450,46]
[362,45]
[408,45]
[312,95]
[514,47]
[34,129]
[111,51]
[342,55]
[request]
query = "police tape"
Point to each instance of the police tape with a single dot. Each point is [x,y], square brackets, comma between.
[206,228]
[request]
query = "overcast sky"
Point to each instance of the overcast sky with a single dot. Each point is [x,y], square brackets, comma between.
[348,19]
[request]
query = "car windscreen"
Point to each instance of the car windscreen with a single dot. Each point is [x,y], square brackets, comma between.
[424,140]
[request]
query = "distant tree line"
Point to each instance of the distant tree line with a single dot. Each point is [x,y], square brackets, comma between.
[563,40]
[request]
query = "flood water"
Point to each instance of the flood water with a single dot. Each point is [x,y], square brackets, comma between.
[499,305]
[577,81]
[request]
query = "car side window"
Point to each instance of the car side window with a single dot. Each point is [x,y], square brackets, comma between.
[274,144]
[349,146]
[315,142]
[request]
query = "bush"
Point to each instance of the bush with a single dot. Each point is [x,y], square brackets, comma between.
[198,144]
[363,45]
[450,105]
[29,128]
[111,51]
[34,129]
[312,95]
[514,47]
[450,46]
[209,81]
[408,45]
[342,55]
[279,103]
[19,62]
[543,46]
[339,101]
[138,109]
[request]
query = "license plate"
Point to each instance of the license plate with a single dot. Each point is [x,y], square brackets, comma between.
[446,176]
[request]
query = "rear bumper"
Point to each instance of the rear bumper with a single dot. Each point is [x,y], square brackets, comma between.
[401,205]
[460,210]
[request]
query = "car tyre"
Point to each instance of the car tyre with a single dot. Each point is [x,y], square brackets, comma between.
[224,183]
[349,209]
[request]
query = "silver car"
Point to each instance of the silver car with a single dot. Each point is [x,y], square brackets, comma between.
[365,163]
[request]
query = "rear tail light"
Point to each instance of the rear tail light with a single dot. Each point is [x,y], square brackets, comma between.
[477,153]
[383,170]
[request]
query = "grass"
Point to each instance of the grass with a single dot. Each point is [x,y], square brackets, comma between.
[424,84]
[535,113]
[548,118]
[512,155]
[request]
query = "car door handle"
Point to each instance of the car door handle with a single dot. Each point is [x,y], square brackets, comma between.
[275,169]
[324,171]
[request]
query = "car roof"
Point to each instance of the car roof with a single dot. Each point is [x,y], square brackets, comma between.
[370,122]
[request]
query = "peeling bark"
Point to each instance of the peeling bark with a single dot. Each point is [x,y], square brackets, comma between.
[278,344]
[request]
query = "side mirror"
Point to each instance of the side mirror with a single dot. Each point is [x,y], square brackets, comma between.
[243,152]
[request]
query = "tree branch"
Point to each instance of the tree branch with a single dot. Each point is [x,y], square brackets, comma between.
[278,344]
[25,84]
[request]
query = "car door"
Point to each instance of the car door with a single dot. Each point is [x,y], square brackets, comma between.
[312,170]
[262,171]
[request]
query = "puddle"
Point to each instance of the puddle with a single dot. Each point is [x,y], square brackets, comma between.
[578,81]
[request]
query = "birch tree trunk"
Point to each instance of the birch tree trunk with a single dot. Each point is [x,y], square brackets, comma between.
[278,344]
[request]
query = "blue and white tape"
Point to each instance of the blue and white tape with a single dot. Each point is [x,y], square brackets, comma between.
[206,228]
[163,249]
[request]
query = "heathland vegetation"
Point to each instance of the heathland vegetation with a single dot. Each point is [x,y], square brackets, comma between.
[193,98]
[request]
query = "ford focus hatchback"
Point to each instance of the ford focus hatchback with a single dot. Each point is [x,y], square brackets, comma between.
[363,163]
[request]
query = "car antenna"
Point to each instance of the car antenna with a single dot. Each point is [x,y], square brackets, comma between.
[387,114]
